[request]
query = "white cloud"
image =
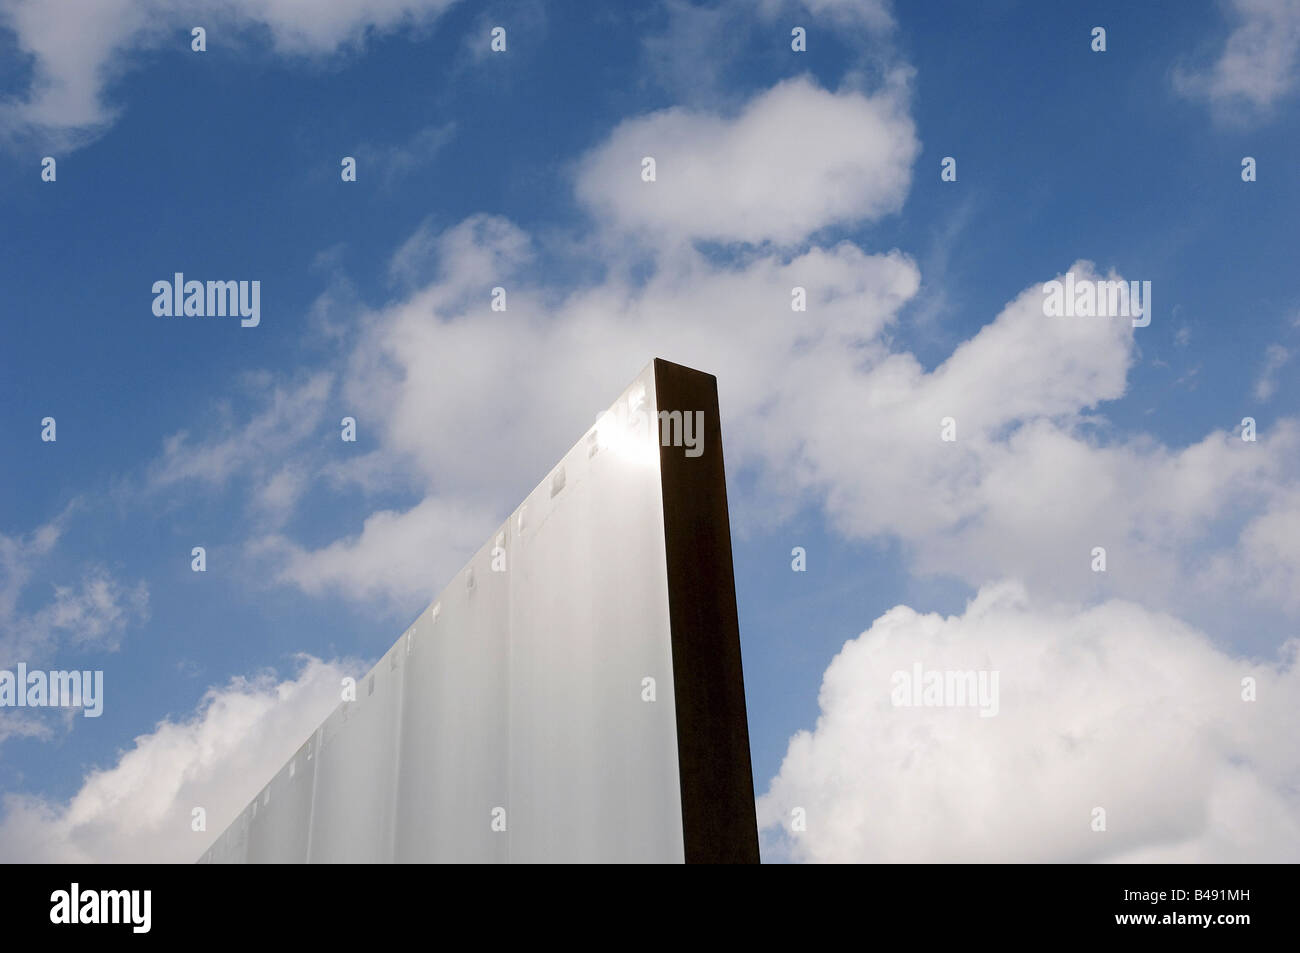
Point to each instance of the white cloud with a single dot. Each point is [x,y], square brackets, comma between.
[1032,482]
[478,404]
[287,417]
[473,396]
[1259,63]
[398,556]
[18,556]
[78,47]
[482,248]
[1113,706]
[91,614]
[1264,566]
[139,810]
[279,494]
[796,159]
[23,724]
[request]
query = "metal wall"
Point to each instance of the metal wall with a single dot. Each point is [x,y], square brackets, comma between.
[516,699]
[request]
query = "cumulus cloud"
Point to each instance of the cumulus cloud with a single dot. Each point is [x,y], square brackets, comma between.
[78,47]
[1035,479]
[469,408]
[796,159]
[1113,706]
[398,557]
[1265,563]
[1258,66]
[472,395]
[218,757]
[819,404]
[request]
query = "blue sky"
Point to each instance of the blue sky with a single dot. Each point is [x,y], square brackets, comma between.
[225,164]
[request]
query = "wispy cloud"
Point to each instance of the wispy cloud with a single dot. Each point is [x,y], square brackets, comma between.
[257,449]
[78,47]
[391,162]
[1258,66]
[1275,358]
[92,613]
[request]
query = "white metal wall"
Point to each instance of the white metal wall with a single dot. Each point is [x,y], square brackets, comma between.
[519,690]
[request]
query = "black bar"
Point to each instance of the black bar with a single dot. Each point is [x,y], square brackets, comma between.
[718,820]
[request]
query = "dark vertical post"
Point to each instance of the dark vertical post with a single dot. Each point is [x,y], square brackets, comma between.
[718,820]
